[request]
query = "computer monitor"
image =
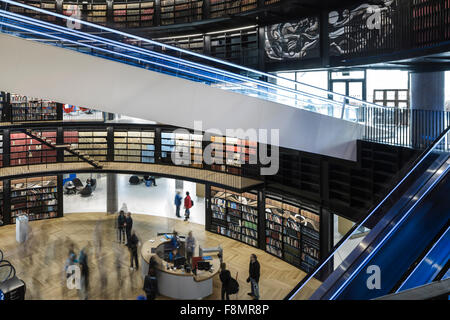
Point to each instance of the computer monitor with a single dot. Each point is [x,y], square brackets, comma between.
[203,265]
[179,261]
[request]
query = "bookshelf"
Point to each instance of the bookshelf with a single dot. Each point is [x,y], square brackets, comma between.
[292,233]
[46,5]
[235,215]
[35,197]
[32,109]
[240,46]
[26,150]
[2,105]
[192,43]
[133,14]
[180,11]
[231,153]
[2,217]
[187,145]
[1,148]
[134,146]
[91,142]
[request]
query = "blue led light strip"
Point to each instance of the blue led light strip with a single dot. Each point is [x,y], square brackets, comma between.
[424,258]
[386,237]
[140,59]
[150,53]
[325,92]
[331,255]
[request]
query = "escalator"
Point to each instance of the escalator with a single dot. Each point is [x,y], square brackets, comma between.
[408,247]
[89,65]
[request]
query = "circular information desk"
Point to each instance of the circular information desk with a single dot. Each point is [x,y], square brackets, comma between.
[176,283]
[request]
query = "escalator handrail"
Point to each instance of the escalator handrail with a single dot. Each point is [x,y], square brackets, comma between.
[157,55]
[212,59]
[413,167]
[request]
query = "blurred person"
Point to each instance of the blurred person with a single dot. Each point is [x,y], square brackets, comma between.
[124,208]
[121,220]
[225,277]
[178,199]
[133,246]
[190,246]
[187,206]
[128,226]
[84,267]
[150,283]
[253,278]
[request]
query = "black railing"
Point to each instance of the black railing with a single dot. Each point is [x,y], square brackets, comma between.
[405,127]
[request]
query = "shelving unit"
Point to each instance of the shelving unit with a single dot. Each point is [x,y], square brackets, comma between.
[35,197]
[133,14]
[191,43]
[91,142]
[220,8]
[26,150]
[32,109]
[46,5]
[235,215]
[231,153]
[2,217]
[292,234]
[1,148]
[184,144]
[239,46]
[2,104]
[134,146]
[180,11]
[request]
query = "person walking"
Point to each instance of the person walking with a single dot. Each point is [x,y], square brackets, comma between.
[225,277]
[128,226]
[254,273]
[178,199]
[190,246]
[133,246]
[83,262]
[121,227]
[187,206]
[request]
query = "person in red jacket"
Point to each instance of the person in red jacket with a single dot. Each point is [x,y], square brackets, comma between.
[187,206]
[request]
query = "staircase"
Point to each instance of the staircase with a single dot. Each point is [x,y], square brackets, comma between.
[66,147]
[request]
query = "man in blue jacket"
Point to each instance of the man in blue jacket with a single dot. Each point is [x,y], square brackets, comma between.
[178,199]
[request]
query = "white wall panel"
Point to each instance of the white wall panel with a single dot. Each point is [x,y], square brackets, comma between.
[66,76]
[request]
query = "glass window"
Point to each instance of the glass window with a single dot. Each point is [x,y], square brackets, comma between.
[385,79]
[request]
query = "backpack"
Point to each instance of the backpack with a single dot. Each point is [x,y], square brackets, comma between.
[233,286]
[192,203]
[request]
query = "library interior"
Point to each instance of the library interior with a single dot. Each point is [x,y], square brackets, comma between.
[224,149]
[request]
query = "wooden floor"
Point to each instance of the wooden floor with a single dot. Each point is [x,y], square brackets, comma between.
[40,261]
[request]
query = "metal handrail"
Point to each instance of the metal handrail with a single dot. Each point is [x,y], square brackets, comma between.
[212,59]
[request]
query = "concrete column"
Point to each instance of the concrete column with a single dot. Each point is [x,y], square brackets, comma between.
[112,198]
[427,100]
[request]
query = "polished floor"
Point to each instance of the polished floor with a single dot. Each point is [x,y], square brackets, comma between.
[40,260]
[156,201]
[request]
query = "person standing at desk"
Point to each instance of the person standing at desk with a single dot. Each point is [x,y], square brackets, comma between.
[174,241]
[178,199]
[190,246]
[174,254]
